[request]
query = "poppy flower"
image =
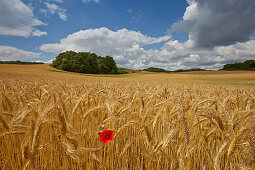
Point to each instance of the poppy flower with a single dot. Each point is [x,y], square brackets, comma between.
[106,136]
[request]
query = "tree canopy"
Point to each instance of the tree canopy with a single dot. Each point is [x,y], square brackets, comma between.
[85,62]
[153,69]
[247,65]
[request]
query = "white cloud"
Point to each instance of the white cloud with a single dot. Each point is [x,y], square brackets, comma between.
[86,1]
[62,16]
[214,23]
[17,19]
[8,53]
[59,1]
[127,48]
[53,8]
[103,41]
[36,22]
[191,12]
[38,33]
[43,11]
[186,56]
[47,62]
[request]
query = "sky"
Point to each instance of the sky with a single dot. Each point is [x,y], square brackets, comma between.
[170,34]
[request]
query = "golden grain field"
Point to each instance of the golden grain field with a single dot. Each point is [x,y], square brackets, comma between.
[52,120]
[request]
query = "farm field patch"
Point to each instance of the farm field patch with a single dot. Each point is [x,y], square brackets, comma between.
[51,119]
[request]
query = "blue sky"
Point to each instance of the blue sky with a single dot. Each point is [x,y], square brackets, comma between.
[138,33]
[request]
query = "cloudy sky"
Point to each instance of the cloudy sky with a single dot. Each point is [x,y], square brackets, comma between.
[138,34]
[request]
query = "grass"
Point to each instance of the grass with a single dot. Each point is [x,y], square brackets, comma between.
[51,120]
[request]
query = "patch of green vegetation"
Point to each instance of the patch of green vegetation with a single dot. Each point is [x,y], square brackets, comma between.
[122,71]
[85,62]
[127,71]
[247,65]
[153,69]
[192,69]
[59,71]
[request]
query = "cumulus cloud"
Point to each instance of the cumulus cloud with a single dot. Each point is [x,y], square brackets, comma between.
[218,22]
[38,33]
[127,49]
[55,9]
[103,41]
[17,19]
[8,53]
[184,55]
[123,45]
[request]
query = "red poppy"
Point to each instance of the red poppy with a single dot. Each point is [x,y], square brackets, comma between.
[106,136]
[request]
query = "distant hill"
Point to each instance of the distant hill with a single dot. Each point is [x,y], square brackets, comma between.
[247,65]
[192,69]
[153,69]
[126,70]
[20,62]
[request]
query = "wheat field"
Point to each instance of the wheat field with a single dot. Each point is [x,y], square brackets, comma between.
[52,120]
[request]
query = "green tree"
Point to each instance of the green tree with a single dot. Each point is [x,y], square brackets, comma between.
[111,65]
[58,61]
[93,63]
[66,65]
[78,63]
[247,65]
[85,62]
[107,65]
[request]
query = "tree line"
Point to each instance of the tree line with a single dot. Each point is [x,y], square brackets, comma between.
[85,62]
[20,62]
[154,69]
[247,65]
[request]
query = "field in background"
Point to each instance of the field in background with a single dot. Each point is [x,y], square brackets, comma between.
[50,119]
[246,78]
